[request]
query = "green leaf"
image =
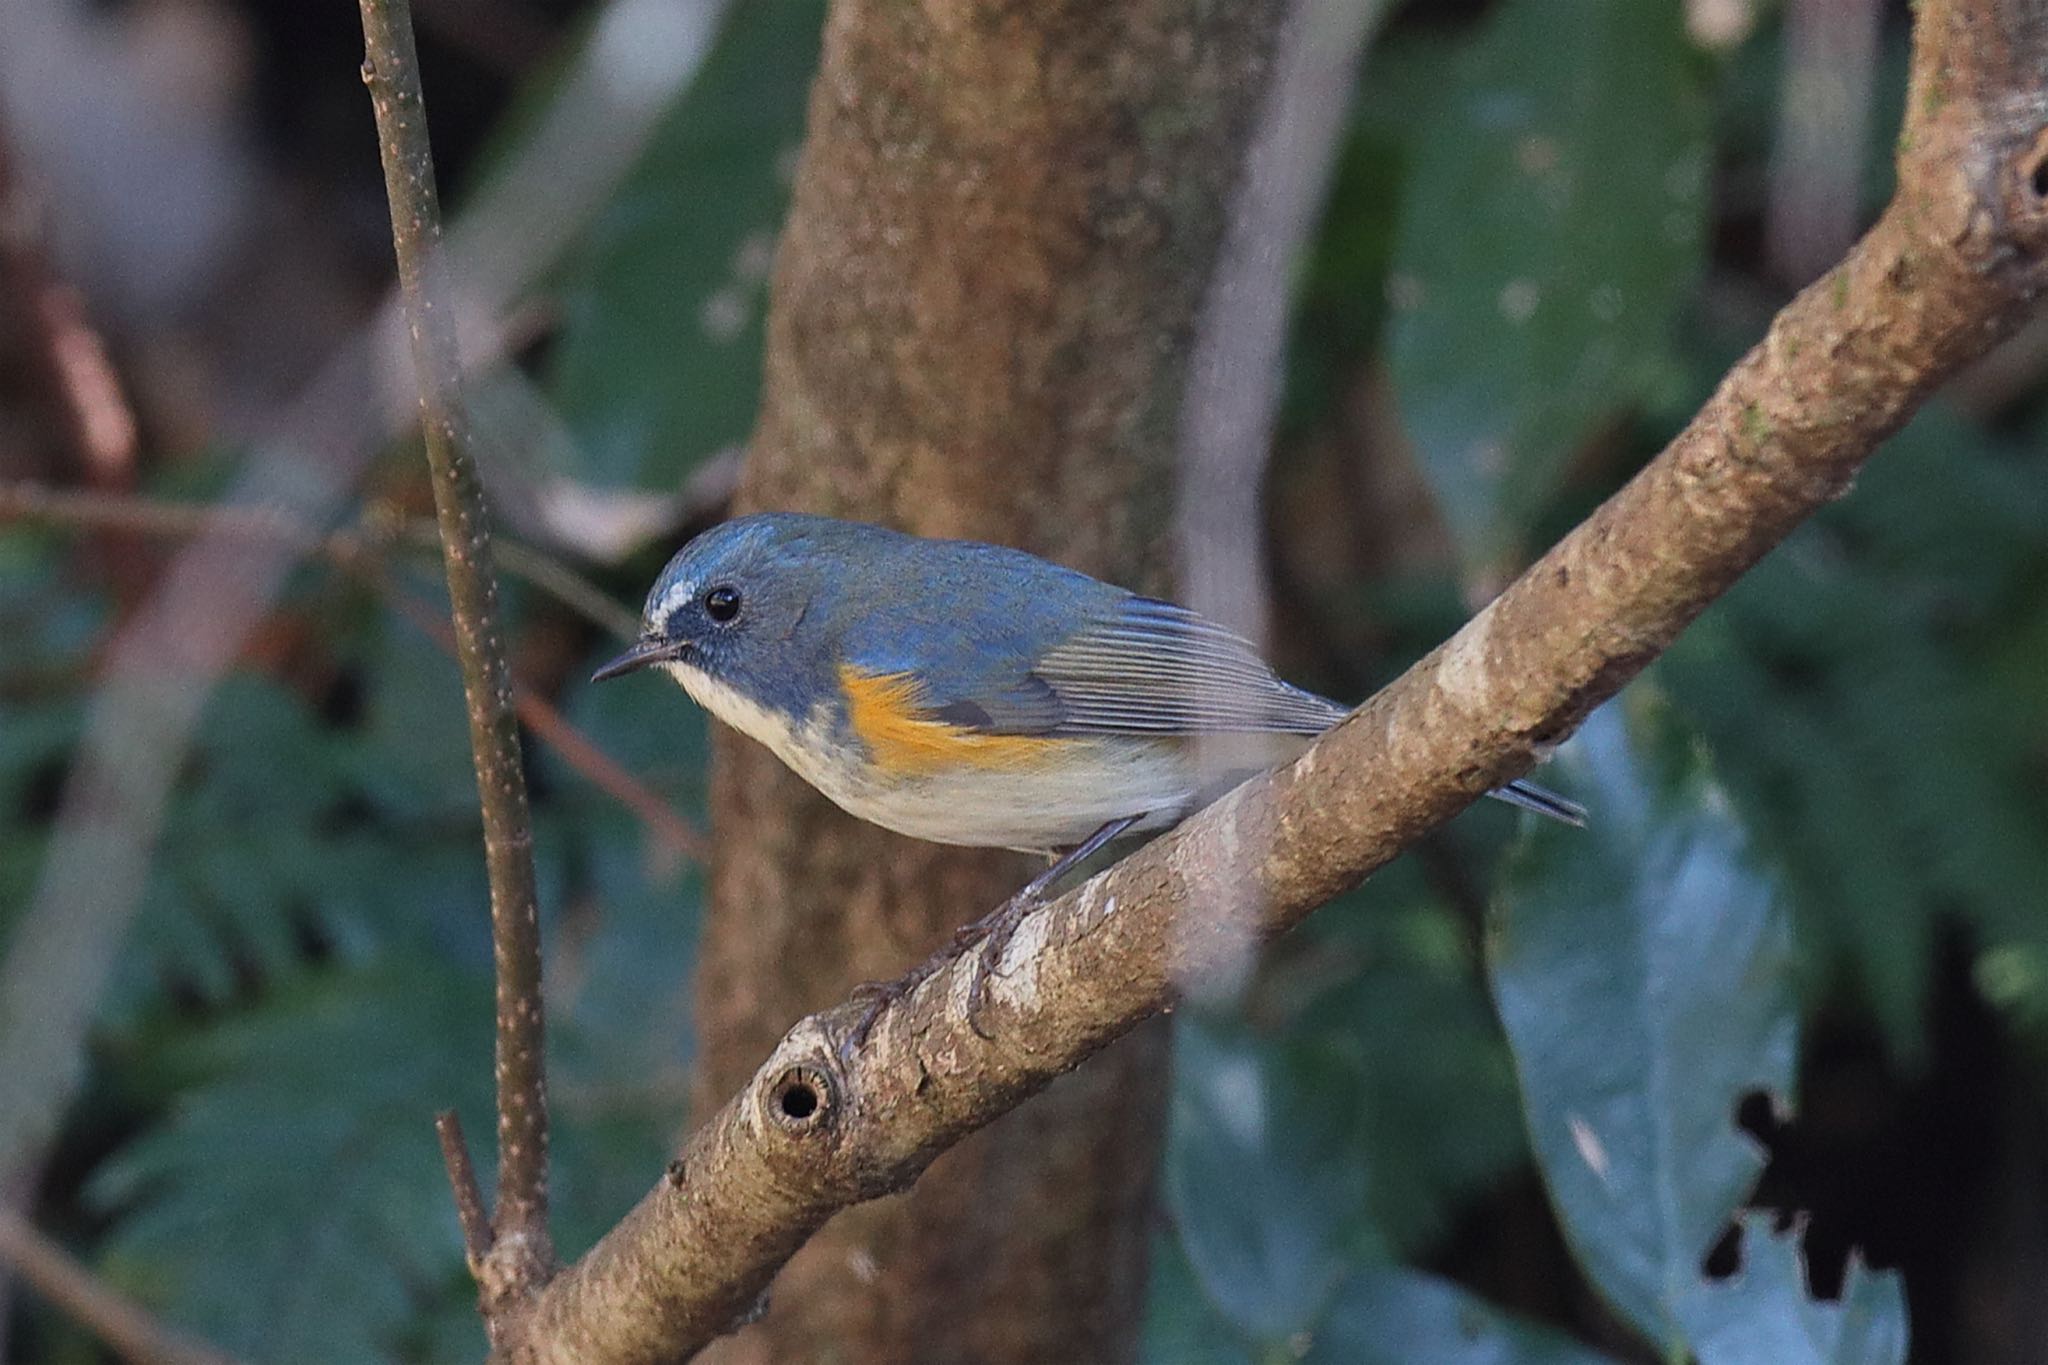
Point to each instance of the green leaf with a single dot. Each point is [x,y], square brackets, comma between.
[1389,1315]
[1642,968]
[1550,232]
[659,362]
[1263,1177]
[294,1202]
[1437,1117]
[1764,1315]
[1181,1326]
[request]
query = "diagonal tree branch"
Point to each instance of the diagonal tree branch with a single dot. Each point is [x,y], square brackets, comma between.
[114,1318]
[521,1255]
[1955,264]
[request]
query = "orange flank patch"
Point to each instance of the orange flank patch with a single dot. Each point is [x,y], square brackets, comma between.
[887,711]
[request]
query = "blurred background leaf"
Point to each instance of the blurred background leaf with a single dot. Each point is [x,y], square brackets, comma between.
[1857,692]
[1264,1187]
[290,1206]
[1643,969]
[658,361]
[1551,231]
[1387,1316]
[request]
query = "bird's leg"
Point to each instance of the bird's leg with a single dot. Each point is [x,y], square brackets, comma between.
[992,932]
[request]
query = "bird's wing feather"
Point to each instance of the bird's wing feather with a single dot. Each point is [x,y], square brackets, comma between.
[1152,668]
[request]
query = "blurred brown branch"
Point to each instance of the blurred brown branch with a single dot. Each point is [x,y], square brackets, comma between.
[1956,262]
[358,551]
[112,1317]
[521,1255]
[576,749]
[97,419]
[346,548]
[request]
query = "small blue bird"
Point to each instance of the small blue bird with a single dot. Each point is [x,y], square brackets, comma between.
[970,694]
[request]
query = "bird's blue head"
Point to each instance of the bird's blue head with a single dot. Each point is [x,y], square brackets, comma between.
[750,607]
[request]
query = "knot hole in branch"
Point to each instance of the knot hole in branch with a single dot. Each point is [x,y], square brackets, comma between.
[802,1100]
[2033,176]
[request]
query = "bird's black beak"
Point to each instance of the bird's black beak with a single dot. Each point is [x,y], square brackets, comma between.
[644,652]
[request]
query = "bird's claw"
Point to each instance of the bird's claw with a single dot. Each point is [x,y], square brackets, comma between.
[875,996]
[986,938]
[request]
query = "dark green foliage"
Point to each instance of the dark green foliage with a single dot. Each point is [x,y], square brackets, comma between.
[290,1204]
[1384,1315]
[1266,1187]
[1378,1314]
[304,1118]
[660,353]
[1765,1314]
[1865,694]
[1405,1022]
[1182,1327]
[48,631]
[1347,1129]
[1551,229]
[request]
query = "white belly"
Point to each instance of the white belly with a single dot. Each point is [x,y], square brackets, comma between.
[1027,808]
[1055,805]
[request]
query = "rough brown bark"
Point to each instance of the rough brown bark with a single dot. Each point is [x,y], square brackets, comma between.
[1003,223]
[1958,260]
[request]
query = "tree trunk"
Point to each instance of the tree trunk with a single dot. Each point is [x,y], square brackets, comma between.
[1004,221]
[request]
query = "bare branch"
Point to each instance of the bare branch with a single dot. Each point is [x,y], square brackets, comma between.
[29,501]
[522,1255]
[1955,264]
[114,1318]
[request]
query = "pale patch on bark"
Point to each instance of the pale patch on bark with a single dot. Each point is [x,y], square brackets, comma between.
[1464,673]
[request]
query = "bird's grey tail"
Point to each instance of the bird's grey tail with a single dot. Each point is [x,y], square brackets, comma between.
[1543,801]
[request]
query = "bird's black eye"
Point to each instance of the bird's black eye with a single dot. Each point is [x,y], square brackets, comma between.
[721,604]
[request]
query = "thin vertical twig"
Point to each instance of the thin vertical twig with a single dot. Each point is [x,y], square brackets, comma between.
[522,1255]
[114,1318]
[462,1183]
